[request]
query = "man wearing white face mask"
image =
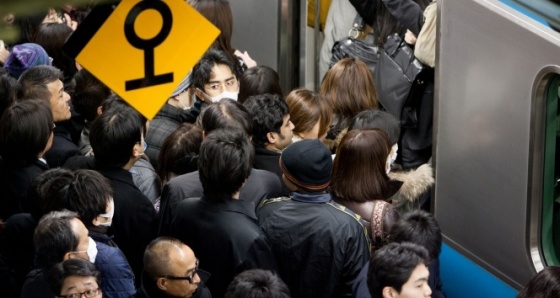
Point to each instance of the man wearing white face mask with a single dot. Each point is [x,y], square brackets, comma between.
[214,78]
[89,194]
[59,236]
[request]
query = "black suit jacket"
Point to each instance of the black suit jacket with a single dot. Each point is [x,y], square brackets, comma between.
[62,148]
[225,238]
[260,185]
[14,184]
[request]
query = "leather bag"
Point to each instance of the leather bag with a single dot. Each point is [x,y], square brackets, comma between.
[399,79]
[354,46]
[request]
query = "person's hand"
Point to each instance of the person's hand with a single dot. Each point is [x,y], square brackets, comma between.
[246,58]
[3,53]
[410,38]
[71,23]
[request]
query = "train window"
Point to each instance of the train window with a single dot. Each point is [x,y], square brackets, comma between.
[551,175]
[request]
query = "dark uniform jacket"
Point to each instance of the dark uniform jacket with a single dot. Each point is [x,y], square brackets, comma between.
[224,236]
[260,185]
[14,183]
[320,246]
[62,148]
[269,161]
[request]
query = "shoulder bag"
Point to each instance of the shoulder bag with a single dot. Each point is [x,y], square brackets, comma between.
[399,79]
[354,46]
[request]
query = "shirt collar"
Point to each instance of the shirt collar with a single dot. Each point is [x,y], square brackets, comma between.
[311,198]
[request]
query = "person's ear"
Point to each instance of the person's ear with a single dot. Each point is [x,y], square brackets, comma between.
[99,110]
[96,221]
[67,256]
[135,151]
[389,292]
[271,137]
[162,284]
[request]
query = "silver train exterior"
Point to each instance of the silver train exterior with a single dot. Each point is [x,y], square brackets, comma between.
[496,99]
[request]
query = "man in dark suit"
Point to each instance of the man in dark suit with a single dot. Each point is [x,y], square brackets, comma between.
[44,82]
[220,227]
[117,141]
[228,114]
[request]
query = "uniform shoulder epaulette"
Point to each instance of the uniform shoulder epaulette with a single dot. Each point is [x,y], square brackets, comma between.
[273,200]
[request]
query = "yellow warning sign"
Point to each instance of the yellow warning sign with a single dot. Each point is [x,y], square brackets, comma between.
[145,49]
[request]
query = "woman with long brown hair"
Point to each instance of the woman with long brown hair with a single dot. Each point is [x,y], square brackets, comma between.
[349,89]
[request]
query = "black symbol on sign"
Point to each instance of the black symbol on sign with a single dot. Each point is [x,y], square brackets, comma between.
[148,45]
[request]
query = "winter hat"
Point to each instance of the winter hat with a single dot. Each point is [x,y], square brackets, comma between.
[185,83]
[307,164]
[24,56]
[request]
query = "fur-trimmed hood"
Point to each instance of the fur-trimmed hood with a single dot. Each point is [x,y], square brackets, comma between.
[414,184]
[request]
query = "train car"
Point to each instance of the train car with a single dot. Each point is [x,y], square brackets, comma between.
[495,131]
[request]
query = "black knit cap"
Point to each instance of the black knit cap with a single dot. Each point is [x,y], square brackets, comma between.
[307,164]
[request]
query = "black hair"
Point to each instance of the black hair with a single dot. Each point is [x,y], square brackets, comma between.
[179,152]
[419,227]
[113,135]
[267,112]
[257,80]
[202,71]
[545,284]
[37,192]
[392,265]
[227,113]
[85,192]
[382,120]
[71,267]
[25,129]
[8,87]
[54,237]
[88,94]
[28,24]
[52,37]
[32,84]
[224,163]
[257,283]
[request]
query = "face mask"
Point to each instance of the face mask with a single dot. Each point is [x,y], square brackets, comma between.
[391,158]
[91,250]
[225,94]
[108,215]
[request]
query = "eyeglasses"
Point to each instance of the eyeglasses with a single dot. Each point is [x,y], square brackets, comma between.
[89,294]
[190,277]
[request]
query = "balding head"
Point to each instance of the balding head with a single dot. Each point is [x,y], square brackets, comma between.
[172,265]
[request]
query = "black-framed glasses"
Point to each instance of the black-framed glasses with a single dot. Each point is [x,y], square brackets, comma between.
[89,294]
[189,277]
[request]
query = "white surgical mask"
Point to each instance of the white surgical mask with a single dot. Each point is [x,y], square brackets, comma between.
[92,250]
[391,158]
[225,94]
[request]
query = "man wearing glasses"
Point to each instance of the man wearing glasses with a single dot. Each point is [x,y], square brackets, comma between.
[171,270]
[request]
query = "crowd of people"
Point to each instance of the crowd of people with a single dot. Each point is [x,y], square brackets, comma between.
[236,188]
